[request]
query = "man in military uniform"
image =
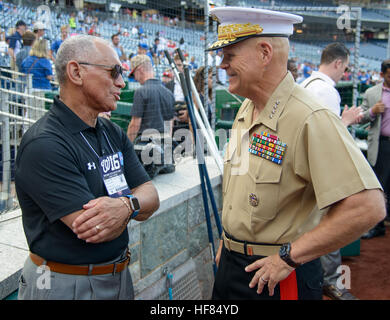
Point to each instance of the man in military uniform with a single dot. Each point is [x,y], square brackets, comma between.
[286,154]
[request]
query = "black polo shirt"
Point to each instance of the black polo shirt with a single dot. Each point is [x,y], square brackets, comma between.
[154,103]
[57,173]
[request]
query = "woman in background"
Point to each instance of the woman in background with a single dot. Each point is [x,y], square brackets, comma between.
[39,65]
[199,85]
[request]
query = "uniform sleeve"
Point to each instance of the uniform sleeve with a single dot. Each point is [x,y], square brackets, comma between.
[328,157]
[137,109]
[47,172]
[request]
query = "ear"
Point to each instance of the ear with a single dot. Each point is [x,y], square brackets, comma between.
[338,63]
[265,50]
[74,73]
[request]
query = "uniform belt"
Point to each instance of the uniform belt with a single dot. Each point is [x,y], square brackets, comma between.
[82,270]
[385,138]
[250,249]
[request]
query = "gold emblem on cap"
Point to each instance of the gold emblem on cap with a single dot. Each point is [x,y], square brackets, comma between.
[253,200]
[231,32]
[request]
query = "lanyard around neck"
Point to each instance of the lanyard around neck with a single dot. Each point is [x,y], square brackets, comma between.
[108,141]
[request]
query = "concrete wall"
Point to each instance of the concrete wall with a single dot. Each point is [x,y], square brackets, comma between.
[174,236]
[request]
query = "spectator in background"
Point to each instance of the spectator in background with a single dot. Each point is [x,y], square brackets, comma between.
[72,21]
[80,17]
[376,106]
[347,75]
[364,78]
[140,32]
[135,15]
[56,44]
[153,104]
[143,49]
[375,78]
[156,51]
[199,84]
[117,47]
[199,81]
[3,44]
[15,42]
[307,70]
[292,67]
[167,78]
[193,65]
[28,40]
[39,30]
[181,43]
[322,83]
[174,84]
[134,31]
[38,64]
[88,20]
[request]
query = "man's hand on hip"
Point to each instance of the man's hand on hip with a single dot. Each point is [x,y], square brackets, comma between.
[271,271]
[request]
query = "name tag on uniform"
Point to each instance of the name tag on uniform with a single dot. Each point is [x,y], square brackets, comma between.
[267,146]
[111,170]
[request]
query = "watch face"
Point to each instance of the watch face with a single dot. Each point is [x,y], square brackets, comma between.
[135,204]
[283,251]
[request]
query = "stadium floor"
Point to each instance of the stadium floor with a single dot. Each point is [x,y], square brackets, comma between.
[370,271]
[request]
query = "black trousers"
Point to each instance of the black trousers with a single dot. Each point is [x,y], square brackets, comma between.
[232,281]
[382,171]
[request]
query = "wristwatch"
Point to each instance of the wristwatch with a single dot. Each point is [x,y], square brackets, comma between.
[134,204]
[284,254]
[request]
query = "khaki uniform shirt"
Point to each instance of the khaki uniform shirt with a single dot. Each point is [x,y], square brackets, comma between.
[273,203]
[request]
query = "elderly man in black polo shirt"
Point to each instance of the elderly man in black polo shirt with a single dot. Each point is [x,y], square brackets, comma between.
[79,182]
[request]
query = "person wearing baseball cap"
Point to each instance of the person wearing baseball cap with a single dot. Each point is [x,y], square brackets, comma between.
[277,169]
[15,42]
[153,103]
[39,29]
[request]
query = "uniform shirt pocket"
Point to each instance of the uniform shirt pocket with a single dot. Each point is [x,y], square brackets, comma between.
[263,190]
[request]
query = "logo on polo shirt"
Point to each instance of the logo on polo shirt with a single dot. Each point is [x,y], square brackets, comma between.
[91,165]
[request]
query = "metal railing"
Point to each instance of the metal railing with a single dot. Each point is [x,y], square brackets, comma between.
[21,106]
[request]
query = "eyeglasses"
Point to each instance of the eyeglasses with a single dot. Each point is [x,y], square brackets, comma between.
[116,70]
[131,75]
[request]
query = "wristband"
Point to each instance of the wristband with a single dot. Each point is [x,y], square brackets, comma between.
[128,207]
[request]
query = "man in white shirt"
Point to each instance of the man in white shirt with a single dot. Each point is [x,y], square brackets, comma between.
[334,62]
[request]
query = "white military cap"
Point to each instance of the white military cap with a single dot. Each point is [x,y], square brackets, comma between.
[238,24]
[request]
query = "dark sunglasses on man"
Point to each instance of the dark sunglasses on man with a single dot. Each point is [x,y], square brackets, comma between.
[116,70]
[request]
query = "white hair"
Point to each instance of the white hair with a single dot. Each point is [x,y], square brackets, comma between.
[79,48]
